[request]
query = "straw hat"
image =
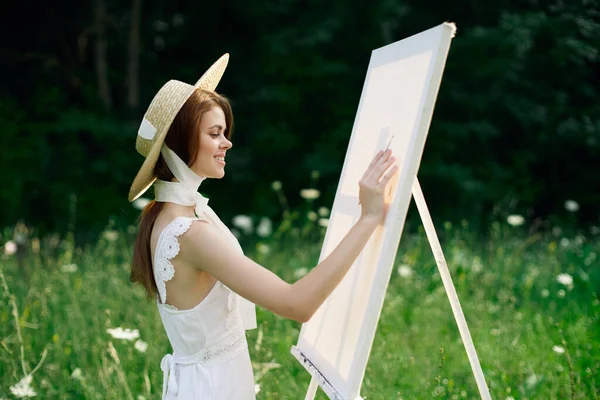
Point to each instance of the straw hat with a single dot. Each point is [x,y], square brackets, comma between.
[158,118]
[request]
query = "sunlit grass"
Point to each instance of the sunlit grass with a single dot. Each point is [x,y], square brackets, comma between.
[537,334]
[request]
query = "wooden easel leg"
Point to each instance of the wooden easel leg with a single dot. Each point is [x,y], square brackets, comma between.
[450,290]
[312,389]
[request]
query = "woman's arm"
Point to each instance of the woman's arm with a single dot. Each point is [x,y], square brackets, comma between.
[314,288]
[205,249]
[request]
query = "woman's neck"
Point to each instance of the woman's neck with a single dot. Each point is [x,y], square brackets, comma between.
[179,210]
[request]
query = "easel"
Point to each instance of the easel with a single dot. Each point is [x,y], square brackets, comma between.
[317,379]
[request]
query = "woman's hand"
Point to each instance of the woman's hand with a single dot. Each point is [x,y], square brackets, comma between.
[373,186]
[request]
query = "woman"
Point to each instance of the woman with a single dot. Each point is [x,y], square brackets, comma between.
[185,256]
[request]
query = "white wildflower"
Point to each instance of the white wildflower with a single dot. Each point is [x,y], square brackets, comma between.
[565,279]
[545,293]
[571,206]
[263,248]
[257,388]
[140,203]
[76,374]
[510,398]
[561,293]
[141,346]
[405,271]
[323,212]
[140,397]
[69,268]
[594,230]
[276,186]
[565,242]
[324,222]
[532,380]
[23,388]
[243,222]
[515,220]
[10,247]
[518,316]
[312,216]
[558,349]
[310,194]
[264,227]
[300,272]
[125,334]
[111,235]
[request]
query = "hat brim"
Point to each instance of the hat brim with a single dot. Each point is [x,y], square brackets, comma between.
[145,176]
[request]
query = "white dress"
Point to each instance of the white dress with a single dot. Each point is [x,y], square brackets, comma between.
[210,359]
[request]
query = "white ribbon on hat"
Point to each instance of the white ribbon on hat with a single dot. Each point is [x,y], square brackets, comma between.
[147,130]
[185,193]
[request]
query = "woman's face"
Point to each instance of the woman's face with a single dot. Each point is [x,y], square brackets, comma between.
[213,145]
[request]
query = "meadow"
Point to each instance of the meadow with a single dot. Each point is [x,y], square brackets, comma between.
[531,301]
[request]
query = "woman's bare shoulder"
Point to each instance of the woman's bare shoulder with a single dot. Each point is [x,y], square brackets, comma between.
[163,220]
[201,231]
[203,247]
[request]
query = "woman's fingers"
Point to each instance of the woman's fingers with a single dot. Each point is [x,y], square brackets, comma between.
[374,171]
[389,162]
[386,178]
[382,167]
[372,185]
[376,159]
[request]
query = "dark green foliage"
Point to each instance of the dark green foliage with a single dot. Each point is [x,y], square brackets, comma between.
[516,127]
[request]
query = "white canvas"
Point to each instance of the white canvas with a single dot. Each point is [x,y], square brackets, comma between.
[396,104]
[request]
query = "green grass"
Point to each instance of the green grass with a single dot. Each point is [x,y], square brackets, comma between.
[515,308]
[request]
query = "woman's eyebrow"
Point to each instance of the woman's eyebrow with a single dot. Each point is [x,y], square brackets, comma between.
[217,126]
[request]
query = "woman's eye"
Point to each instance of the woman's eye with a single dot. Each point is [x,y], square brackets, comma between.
[215,135]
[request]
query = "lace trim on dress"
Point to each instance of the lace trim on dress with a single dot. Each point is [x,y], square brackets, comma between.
[226,348]
[166,249]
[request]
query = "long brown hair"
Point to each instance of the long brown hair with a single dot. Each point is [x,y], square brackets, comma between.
[183,138]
